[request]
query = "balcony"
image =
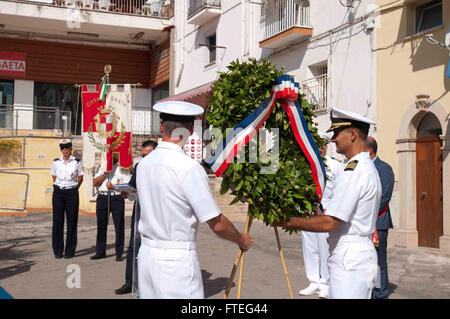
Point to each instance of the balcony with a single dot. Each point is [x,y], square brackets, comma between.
[203,11]
[120,23]
[315,91]
[285,22]
[149,8]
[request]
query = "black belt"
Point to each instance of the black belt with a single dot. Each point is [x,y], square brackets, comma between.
[65,188]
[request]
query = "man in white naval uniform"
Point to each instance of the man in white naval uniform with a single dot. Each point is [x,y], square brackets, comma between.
[175,196]
[351,211]
[314,245]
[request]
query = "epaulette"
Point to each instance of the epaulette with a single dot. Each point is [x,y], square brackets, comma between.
[77,159]
[56,159]
[351,165]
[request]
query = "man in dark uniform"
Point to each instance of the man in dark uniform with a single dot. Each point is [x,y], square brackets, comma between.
[67,175]
[104,182]
[133,249]
[384,220]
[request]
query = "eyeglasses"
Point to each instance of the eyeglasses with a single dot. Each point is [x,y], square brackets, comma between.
[63,147]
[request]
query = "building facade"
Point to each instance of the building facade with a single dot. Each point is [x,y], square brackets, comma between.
[48,48]
[413,117]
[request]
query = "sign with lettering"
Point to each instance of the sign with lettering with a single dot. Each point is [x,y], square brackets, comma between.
[12,63]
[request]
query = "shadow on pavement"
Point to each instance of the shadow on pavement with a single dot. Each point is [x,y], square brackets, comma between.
[15,253]
[91,251]
[212,287]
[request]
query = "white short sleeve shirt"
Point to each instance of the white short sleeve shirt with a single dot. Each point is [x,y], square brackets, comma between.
[116,176]
[356,197]
[174,195]
[66,172]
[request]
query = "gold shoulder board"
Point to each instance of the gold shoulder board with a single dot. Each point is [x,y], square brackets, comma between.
[351,166]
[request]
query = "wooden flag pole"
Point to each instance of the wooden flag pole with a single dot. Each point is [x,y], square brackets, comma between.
[237,261]
[283,263]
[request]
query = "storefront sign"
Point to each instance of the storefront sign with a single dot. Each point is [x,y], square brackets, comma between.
[12,63]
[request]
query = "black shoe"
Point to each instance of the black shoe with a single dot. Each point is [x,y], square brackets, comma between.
[119,258]
[125,289]
[97,256]
[58,256]
[67,256]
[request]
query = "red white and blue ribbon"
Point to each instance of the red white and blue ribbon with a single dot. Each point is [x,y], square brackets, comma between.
[287,91]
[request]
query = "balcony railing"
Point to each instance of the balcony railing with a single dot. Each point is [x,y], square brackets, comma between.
[151,8]
[16,117]
[315,91]
[197,5]
[278,16]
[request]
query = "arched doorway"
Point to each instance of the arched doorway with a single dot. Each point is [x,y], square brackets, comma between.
[419,121]
[429,182]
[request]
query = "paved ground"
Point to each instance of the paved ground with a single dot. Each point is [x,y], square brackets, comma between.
[29,270]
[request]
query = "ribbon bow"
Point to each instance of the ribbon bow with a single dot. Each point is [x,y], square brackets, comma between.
[287,91]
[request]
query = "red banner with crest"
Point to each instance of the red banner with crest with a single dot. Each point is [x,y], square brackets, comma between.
[107,126]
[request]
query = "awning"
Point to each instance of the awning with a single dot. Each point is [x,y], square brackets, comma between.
[199,95]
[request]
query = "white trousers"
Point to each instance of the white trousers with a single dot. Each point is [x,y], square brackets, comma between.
[353,267]
[169,270]
[315,257]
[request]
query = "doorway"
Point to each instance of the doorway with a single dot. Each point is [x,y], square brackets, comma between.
[429,182]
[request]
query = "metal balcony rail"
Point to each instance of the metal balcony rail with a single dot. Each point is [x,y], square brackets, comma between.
[315,91]
[150,8]
[278,16]
[21,117]
[197,5]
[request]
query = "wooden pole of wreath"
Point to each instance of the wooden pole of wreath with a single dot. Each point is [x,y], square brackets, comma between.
[248,223]
[240,260]
[283,263]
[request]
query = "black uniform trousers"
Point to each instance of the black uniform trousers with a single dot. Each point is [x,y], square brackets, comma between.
[133,246]
[117,209]
[65,200]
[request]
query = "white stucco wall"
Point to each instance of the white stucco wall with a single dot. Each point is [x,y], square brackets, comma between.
[347,51]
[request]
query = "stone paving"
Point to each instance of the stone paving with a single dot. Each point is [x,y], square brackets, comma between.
[28,269]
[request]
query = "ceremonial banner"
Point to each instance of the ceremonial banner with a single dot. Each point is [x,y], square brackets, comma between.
[107,126]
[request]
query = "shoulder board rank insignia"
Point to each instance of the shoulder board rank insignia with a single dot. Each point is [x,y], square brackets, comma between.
[77,159]
[351,166]
[56,159]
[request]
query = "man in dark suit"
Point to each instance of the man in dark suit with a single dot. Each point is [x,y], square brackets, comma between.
[384,221]
[133,249]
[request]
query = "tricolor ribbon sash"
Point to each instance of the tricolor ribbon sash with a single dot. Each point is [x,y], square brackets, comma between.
[375,238]
[287,90]
[103,87]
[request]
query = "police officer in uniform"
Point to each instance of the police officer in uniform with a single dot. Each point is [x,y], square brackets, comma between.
[104,182]
[314,245]
[67,174]
[351,212]
[175,197]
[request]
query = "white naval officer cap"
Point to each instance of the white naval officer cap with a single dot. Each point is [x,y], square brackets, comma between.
[65,142]
[178,111]
[325,136]
[343,119]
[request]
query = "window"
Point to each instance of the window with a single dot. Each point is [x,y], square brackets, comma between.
[428,15]
[212,48]
[6,100]
[57,106]
[158,93]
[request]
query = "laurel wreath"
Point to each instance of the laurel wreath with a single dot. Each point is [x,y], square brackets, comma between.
[288,192]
